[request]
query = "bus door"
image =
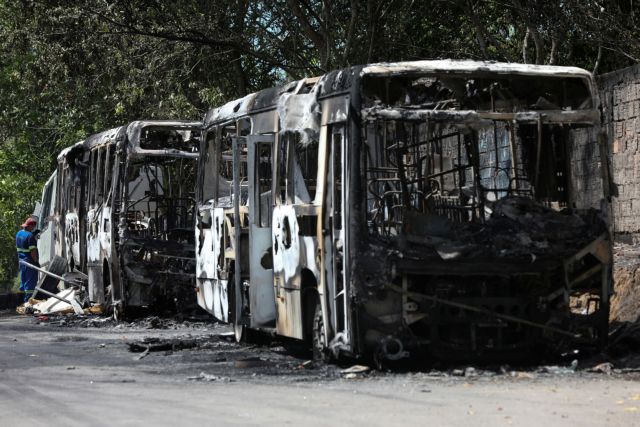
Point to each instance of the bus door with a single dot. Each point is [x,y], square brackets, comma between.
[238,235]
[334,243]
[261,293]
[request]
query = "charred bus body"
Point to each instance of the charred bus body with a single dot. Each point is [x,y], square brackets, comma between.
[124,212]
[436,206]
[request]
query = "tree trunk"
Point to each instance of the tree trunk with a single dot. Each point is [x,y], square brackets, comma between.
[346,58]
[525,47]
[239,27]
[319,41]
[531,29]
[598,59]
[553,53]
[479,30]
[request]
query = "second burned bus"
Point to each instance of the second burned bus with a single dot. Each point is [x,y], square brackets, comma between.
[446,207]
[121,211]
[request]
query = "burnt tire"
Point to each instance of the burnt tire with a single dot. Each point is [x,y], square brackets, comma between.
[320,351]
[57,266]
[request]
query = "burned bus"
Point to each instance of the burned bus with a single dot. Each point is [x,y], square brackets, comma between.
[447,209]
[123,213]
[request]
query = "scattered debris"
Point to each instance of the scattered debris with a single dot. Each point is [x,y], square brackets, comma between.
[250,362]
[27,307]
[356,369]
[142,355]
[522,375]
[470,372]
[203,376]
[560,370]
[96,321]
[94,309]
[604,368]
[64,302]
[309,364]
[227,336]
[163,344]
[72,296]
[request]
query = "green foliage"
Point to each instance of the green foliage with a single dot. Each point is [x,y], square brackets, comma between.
[70,69]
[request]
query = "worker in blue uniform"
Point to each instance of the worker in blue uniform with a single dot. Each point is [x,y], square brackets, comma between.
[27,251]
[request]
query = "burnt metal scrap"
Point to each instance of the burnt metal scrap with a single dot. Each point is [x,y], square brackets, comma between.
[121,209]
[392,209]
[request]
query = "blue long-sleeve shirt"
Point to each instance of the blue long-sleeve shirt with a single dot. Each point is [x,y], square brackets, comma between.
[25,243]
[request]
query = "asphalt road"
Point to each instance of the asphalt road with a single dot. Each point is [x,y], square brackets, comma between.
[61,375]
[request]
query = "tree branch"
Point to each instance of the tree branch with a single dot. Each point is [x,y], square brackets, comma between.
[350,31]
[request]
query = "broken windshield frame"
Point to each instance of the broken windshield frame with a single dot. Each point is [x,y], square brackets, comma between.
[160,195]
[455,145]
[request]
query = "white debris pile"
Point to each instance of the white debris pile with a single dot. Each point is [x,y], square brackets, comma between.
[54,305]
[67,301]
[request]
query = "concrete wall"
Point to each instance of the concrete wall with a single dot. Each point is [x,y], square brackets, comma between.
[620,96]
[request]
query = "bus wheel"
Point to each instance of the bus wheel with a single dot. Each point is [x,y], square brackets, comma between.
[320,352]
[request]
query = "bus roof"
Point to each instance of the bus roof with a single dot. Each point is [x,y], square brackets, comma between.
[339,81]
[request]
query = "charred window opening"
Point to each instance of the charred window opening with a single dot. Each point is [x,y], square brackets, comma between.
[264,177]
[164,138]
[305,168]
[161,199]
[92,178]
[108,171]
[430,153]
[71,181]
[297,169]
[225,166]
[98,184]
[282,170]
[337,165]
[100,181]
[207,185]
[506,94]
[70,189]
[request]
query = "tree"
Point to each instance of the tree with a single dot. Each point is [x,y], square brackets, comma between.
[70,69]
